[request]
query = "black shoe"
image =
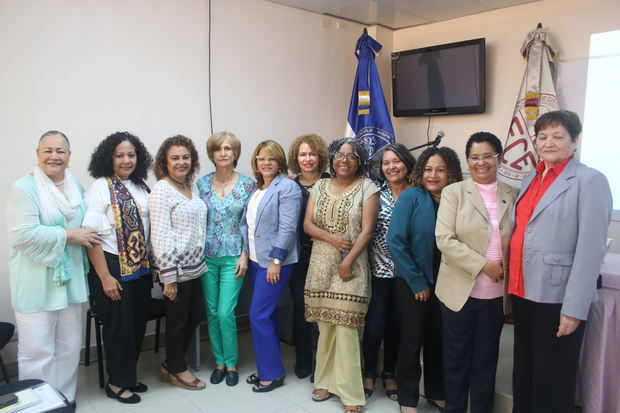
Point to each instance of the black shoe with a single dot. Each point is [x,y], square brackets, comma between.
[128,400]
[368,392]
[392,393]
[264,388]
[217,376]
[73,406]
[232,377]
[138,388]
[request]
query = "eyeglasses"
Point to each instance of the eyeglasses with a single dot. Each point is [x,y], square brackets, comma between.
[270,159]
[339,156]
[486,158]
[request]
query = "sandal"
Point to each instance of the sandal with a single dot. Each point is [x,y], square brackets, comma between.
[319,396]
[391,393]
[264,388]
[367,391]
[253,379]
[352,409]
[195,384]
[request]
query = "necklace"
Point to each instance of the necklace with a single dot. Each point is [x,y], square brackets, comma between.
[181,184]
[223,185]
[59,182]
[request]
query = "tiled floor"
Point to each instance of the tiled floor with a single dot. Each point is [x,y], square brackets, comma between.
[294,396]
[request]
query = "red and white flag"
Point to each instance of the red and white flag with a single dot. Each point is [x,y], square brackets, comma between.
[536,96]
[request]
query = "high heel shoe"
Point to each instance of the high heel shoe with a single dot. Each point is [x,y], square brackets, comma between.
[391,393]
[368,391]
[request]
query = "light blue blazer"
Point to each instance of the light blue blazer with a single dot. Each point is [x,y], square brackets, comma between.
[565,239]
[277,216]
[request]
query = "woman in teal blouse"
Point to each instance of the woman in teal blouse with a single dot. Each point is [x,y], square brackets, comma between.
[47,265]
[225,192]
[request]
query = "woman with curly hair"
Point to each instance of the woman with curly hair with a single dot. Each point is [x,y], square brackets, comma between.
[383,316]
[178,227]
[474,223]
[340,217]
[120,275]
[307,159]
[411,242]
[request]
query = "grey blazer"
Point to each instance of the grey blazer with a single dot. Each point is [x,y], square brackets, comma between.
[565,239]
[276,223]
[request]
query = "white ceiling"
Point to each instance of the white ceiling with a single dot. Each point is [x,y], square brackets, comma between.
[397,14]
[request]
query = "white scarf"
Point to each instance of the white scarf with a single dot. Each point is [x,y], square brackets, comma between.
[53,202]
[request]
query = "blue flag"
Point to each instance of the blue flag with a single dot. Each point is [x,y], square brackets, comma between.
[369,119]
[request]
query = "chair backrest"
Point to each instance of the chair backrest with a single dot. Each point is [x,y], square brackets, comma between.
[6,333]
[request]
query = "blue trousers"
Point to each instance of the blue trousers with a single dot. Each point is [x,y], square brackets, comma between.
[264,320]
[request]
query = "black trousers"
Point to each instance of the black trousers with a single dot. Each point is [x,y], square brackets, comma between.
[545,366]
[470,351]
[124,322]
[421,328]
[382,324]
[182,317]
[302,330]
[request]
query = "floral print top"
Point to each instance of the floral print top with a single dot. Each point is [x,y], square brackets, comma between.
[223,238]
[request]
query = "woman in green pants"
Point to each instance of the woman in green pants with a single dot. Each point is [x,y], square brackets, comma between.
[225,192]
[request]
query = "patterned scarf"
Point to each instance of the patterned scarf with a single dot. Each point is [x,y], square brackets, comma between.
[132,254]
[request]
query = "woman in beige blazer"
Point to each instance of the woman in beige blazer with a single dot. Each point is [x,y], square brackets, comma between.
[473,225]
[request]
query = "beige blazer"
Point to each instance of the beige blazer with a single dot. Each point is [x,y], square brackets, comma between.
[463,231]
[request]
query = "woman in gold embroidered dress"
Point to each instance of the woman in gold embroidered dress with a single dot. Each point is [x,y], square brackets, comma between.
[340,217]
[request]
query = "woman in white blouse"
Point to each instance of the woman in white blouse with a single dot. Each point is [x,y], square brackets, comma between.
[178,225]
[119,277]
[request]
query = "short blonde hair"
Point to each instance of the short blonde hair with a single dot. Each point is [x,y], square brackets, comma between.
[317,144]
[276,150]
[217,139]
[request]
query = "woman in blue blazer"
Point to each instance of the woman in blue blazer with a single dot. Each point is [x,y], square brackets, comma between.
[269,229]
[561,219]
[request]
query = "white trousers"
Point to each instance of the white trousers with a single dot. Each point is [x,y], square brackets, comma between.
[48,347]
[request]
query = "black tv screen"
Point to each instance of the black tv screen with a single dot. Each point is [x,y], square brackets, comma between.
[439,80]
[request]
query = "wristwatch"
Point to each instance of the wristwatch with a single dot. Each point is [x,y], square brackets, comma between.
[277,261]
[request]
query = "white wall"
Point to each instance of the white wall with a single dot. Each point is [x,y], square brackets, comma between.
[90,68]
[570,22]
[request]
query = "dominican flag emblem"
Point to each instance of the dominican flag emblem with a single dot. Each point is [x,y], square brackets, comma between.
[369,119]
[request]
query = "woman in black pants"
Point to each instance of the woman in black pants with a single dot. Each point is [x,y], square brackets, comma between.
[120,275]
[411,241]
[383,316]
[307,158]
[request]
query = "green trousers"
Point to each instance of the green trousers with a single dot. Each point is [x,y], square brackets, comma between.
[221,292]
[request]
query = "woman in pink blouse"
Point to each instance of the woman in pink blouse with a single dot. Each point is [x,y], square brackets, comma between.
[473,224]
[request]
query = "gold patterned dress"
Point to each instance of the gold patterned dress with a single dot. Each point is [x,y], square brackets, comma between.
[327,297]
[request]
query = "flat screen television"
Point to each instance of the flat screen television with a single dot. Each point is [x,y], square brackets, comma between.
[439,80]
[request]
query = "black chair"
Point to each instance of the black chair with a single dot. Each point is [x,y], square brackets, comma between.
[6,333]
[157,310]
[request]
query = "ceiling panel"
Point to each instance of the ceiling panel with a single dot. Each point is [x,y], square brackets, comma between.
[397,14]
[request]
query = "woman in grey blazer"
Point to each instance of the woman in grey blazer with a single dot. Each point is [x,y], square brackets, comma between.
[561,219]
[269,229]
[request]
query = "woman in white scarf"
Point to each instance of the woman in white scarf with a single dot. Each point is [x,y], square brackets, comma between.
[47,265]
